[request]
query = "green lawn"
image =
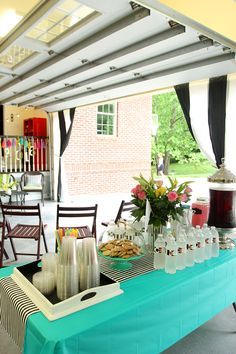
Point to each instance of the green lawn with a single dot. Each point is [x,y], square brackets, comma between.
[191,170]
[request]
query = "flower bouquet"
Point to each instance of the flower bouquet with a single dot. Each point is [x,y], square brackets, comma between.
[165,201]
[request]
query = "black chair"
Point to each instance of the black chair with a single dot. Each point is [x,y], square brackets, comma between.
[67,213]
[23,231]
[33,182]
[123,208]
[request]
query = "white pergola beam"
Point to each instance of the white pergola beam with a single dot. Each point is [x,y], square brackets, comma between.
[135,16]
[172,32]
[135,66]
[158,74]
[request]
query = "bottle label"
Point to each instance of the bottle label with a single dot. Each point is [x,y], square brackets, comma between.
[181,250]
[190,247]
[214,240]
[170,252]
[159,250]
[207,240]
[198,244]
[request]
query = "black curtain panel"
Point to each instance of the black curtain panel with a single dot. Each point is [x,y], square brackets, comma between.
[65,137]
[216,115]
[182,92]
[1,119]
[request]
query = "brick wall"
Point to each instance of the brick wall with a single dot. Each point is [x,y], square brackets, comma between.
[106,164]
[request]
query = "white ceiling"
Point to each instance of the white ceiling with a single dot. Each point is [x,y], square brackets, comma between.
[122,51]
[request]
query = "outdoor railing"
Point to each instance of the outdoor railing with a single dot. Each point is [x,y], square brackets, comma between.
[24,153]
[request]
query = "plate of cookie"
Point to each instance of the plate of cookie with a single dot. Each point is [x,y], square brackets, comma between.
[120,252]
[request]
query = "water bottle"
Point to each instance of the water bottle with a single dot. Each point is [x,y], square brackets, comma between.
[200,245]
[215,242]
[191,247]
[186,219]
[208,241]
[170,256]
[181,251]
[159,252]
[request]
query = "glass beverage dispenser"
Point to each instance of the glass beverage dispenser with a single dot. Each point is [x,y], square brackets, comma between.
[222,212]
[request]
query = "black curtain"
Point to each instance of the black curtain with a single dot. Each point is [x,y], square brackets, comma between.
[216,115]
[1,119]
[182,92]
[65,137]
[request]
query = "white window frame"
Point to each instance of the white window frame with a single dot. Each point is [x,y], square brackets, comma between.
[103,113]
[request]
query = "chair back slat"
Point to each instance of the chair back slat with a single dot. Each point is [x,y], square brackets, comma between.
[21,210]
[18,213]
[20,207]
[77,215]
[68,209]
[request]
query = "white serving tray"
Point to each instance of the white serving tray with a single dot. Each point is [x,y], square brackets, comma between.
[63,308]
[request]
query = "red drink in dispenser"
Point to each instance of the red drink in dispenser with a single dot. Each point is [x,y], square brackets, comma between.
[222,208]
[200,212]
[223,200]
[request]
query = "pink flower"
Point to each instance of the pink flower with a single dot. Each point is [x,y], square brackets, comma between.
[141,195]
[137,190]
[133,191]
[183,197]
[188,190]
[172,196]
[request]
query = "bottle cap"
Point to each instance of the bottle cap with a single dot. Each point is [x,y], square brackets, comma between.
[185,206]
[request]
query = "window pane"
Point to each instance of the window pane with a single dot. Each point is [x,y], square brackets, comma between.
[110,130]
[100,108]
[99,127]
[105,108]
[105,119]
[111,108]
[99,119]
[110,120]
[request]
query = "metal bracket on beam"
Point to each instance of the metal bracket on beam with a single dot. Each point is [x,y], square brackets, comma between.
[134,5]
[173,24]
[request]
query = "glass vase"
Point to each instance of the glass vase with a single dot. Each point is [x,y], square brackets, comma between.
[153,232]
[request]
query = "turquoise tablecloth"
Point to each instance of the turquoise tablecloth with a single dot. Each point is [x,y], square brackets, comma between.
[155,311]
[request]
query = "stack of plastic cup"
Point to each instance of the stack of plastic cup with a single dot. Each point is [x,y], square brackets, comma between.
[67,269]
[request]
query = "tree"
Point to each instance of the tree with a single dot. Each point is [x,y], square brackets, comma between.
[173,138]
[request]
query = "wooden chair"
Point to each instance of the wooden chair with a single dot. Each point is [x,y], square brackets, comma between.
[23,231]
[3,252]
[123,208]
[33,182]
[1,246]
[77,212]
